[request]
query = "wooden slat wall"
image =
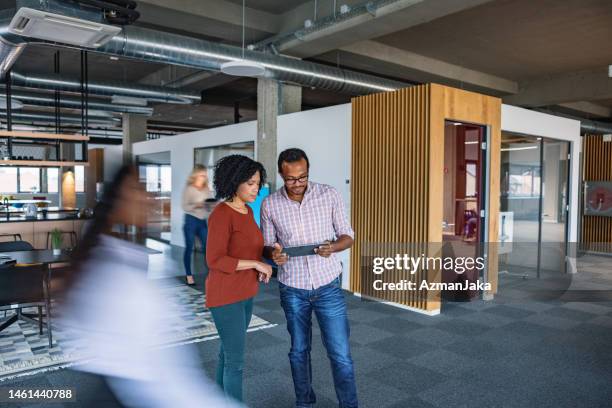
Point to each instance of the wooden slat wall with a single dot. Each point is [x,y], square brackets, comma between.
[389,196]
[397,174]
[597,162]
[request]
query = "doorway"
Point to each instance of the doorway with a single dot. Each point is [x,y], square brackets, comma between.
[533,206]
[155,172]
[463,206]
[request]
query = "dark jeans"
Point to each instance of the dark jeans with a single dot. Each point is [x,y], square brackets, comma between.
[328,304]
[232,322]
[193,227]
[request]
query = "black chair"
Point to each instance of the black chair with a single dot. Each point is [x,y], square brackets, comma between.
[16,237]
[11,246]
[23,287]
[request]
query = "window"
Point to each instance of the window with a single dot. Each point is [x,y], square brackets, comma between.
[79,179]
[52,180]
[166,178]
[29,179]
[152,178]
[8,179]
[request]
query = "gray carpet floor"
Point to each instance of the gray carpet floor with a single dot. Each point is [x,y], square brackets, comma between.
[514,351]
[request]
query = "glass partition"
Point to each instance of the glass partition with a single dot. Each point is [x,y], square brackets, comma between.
[533,205]
[208,156]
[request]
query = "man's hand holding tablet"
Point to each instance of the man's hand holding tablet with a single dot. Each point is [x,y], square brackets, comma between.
[325,250]
[278,256]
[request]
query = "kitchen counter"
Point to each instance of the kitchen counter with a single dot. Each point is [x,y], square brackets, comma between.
[37,231]
[58,216]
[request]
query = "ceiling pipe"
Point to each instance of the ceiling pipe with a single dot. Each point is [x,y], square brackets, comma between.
[594,127]
[107,88]
[173,49]
[28,117]
[28,98]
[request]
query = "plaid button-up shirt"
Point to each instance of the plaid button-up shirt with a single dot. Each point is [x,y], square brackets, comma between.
[320,216]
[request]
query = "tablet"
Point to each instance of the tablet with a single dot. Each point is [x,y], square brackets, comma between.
[304,250]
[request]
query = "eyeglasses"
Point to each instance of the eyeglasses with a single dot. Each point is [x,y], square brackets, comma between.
[293,181]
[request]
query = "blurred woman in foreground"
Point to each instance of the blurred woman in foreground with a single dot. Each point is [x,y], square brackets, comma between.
[119,316]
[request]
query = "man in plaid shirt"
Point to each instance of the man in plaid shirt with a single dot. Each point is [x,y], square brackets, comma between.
[307,213]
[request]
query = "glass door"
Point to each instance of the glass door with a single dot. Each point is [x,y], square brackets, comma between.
[533,205]
[553,230]
[462,203]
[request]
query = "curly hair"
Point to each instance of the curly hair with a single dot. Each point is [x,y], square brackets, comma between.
[233,170]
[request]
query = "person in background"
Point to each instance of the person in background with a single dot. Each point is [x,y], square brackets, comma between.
[234,256]
[196,212]
[109,305]
[306,213]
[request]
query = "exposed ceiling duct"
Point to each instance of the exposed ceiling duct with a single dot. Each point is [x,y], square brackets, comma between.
[173,49]
[108,88]
[28,117]
[30,98]
[591,126]
[166,48]
[11,48]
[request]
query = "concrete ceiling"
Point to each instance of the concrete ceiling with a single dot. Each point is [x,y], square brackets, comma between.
[517,39]
[537,53]
[272,6]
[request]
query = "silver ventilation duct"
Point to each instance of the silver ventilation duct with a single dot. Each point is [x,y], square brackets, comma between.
[173,49]
[11,48]
[165,48]
[591,126]
[109,88]
[28,98]
[27,117]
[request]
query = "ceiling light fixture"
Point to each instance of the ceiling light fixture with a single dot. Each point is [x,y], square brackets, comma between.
[243,67]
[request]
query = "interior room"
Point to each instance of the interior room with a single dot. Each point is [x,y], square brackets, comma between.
[305,203]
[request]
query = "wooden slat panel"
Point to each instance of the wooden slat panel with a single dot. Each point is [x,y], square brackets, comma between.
[397,175]
[597,167]
[389,178]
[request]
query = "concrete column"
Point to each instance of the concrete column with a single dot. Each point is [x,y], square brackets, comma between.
[273,99]
[134,130]
[290,99]
[267,112]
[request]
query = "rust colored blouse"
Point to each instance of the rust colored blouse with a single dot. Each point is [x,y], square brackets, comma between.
[231,236]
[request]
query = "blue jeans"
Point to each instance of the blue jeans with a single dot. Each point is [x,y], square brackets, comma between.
[193,227]
[232,321]
[328,304]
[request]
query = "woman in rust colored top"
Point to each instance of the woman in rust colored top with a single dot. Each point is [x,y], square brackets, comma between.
[233,252]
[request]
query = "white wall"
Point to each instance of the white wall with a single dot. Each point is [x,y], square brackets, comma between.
[325,135]
[528,122]
[182,159]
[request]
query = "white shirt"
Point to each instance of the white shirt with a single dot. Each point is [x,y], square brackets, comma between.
[118,314]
